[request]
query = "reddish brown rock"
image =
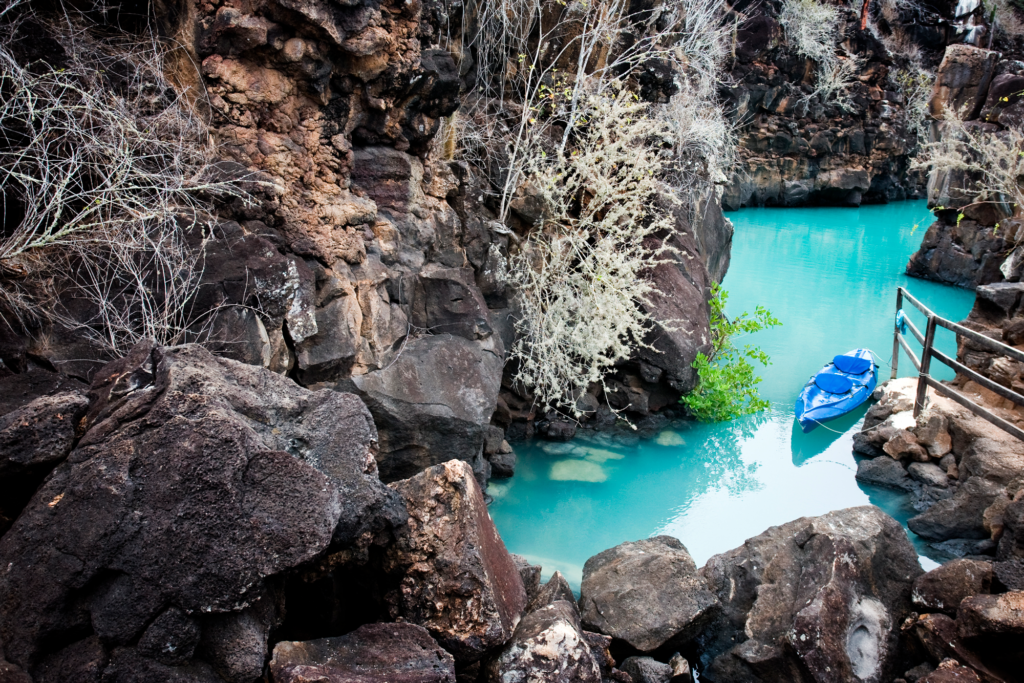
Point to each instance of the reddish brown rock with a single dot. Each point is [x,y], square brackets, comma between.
[950,671]
[942,589]
[457,578]
[993,627]
[984,615]
[549,645]
[375,653]
[937,634]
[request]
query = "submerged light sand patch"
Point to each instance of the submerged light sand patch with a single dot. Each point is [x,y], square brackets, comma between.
[599,455]
[670,438]
[577,470]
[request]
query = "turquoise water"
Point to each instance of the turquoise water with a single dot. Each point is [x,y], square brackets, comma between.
[830,275]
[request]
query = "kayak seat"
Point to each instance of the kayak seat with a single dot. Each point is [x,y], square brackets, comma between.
[833,384]
[853,365]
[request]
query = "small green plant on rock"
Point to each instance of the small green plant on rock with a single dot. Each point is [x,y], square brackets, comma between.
[727,385]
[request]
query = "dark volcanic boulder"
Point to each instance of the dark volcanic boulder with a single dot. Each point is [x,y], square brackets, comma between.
[548,645]
[33,440]
[24,387]
[816,599]
[647,670]
[993,627]
[197,479]
[375,653]
[646,593]
[943,588]
[433,403]
[456,577]
[961,516]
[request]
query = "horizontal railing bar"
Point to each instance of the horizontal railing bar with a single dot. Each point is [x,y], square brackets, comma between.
[917,332]
[981,339]
[917,304]
[1008,394]
[974,407]
[906,347]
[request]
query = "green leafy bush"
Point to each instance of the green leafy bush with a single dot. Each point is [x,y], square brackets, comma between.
[727,385]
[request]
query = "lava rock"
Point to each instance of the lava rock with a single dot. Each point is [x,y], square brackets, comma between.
[884,472]
[993,626]
[962,79]
[374,653]
[933,433]
[646,593]
[937,635]
[646,670]
[928,473]
[681,672]
[557,588]
[950,671]
[530,574]
[433,403]
[236,643]
[198,478]
[503,465]
[22,388]
[456,577]
[960,516]
[943,588]
[819,598]
[548,645]
[33,440]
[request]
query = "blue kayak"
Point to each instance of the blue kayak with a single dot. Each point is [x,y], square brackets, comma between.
[838,388]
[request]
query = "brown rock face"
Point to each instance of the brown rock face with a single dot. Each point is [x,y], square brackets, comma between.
[646,593]
[942,589]
[549,645]
[963,79]
[991,614]
[797,149]
[375,653]
[457,578]
[993,627]
[949,671]
[817,599]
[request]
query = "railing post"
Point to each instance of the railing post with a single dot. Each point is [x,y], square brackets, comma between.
[926,359]
[896,334]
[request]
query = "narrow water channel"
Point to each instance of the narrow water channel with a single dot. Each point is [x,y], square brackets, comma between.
[830,275]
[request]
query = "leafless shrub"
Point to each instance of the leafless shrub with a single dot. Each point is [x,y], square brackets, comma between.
[111,170]
[990,164]
[915,84]
[580,278]
[532,73]
[553,115]
[813,29]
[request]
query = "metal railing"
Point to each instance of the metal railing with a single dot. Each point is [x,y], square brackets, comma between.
[928,352]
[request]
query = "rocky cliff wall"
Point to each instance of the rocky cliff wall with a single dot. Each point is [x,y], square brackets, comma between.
[364,260]
[974,235]
[797,148]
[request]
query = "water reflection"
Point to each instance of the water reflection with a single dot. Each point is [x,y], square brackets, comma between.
[806,446]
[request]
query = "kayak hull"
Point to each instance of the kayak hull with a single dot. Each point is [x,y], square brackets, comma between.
[817,404]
